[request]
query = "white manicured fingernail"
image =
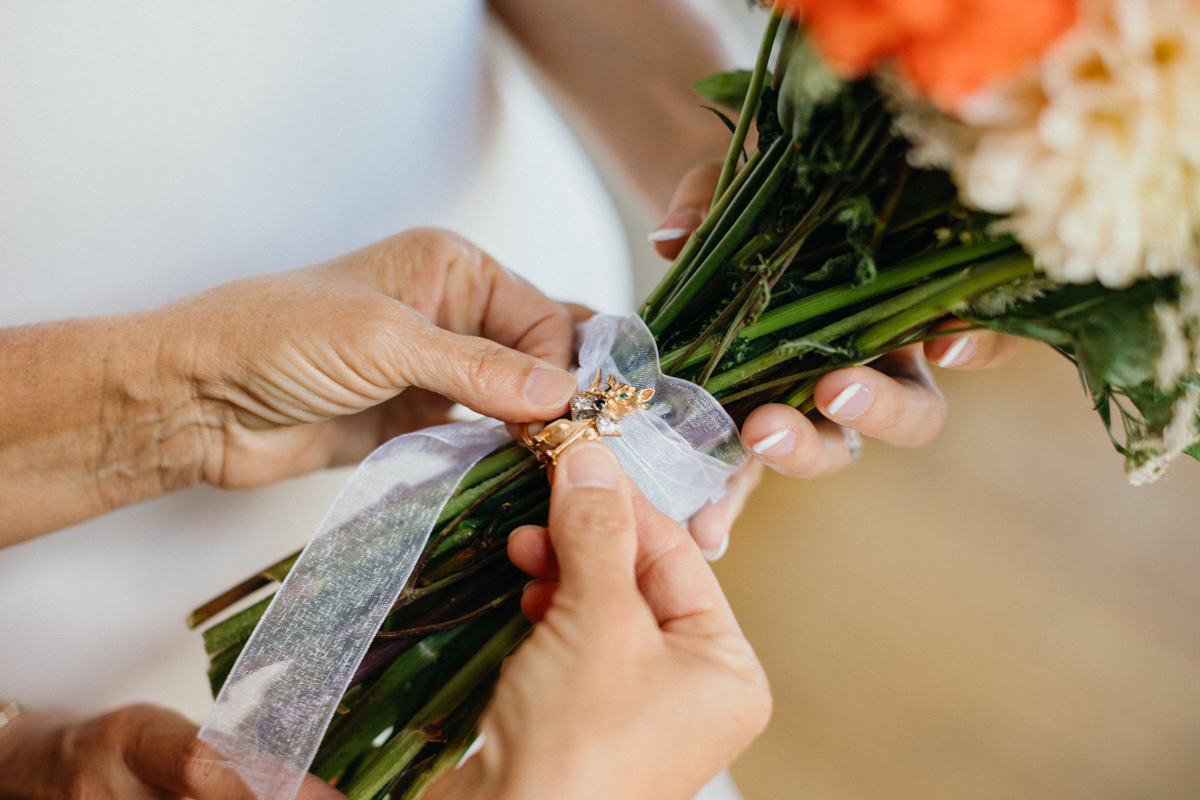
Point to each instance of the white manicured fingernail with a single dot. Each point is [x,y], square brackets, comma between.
[776,445]
[959,352]
[851,402]
[668,234]
[715,555]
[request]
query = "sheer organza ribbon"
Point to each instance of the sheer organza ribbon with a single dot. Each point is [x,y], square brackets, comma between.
[276,705]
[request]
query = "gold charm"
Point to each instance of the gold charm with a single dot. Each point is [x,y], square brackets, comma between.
[594,413]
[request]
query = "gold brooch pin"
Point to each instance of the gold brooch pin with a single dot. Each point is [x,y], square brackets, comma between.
[594,413]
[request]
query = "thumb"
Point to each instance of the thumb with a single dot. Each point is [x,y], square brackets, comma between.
[592,528]
[687,209]
[484,376]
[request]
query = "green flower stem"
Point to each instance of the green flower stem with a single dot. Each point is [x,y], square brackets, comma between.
[696,241]
[750,104]
[885,334]
[745,188]
[402,748]
[981,278]
[843,327]
[491,470]
[825,302]
[462,732]
[728,245]
[353,732]
[742,191]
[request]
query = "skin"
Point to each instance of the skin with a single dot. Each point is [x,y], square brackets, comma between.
[270,377]
[278,375]
[634,651]
[904,404]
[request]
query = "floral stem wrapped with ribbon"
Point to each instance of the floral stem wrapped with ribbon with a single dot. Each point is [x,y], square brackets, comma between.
[865,219]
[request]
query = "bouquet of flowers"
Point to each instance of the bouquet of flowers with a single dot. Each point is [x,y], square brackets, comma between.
[1033,169]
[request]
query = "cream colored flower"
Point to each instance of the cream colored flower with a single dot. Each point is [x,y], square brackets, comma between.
[1095,153]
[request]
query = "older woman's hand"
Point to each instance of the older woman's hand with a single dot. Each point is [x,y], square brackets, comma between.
[270,377]
[636,681]
[895,399]
[138,752]
[305,369]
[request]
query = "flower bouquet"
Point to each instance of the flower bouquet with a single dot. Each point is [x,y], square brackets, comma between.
[1031,170]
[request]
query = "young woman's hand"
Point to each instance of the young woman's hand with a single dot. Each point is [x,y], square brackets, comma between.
[895,399]
[636,681]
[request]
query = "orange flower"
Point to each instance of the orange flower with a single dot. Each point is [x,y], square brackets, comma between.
[946,48]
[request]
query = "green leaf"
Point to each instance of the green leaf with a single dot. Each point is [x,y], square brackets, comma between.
[858,266]
[726,89]
[857,215]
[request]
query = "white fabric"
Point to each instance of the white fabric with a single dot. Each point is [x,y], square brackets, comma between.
[682,452]
[274,709]
[151,150]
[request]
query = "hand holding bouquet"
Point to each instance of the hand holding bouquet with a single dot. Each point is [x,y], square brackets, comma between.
[869,219]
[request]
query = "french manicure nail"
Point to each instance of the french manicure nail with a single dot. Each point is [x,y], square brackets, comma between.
[776,445]
[959,352]
[668,234]
[549,387]
[851,402]
[676,226]
[592,466]
[715,555]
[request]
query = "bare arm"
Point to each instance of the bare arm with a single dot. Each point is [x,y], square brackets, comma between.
[83,424]
[627,67]
[269,377]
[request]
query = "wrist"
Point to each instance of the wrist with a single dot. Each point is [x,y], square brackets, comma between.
[152,433]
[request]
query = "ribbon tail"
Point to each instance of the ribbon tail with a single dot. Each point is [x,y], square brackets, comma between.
[276,705]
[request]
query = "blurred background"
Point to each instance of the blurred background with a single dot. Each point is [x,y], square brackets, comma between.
[995,615]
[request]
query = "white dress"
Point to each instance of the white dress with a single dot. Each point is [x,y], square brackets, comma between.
[151,150]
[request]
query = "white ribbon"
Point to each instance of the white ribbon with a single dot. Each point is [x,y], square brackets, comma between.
[275,707]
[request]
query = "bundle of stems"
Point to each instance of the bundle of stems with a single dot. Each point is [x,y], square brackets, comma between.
[823,249]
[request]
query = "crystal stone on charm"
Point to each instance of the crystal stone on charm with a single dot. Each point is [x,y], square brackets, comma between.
[607,426]
[582,406]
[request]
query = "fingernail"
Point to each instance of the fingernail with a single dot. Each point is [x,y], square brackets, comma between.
[549,387]
[715,555]
[851,402]
[959,352]
[776,445]
[592,466]
[676,226]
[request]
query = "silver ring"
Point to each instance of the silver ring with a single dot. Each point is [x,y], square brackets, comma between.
[854,441]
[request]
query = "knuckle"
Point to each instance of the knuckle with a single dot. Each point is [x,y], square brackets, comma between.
[195,766]
[807,458]
[447,252]
[84,786]
[593,511]
[758,704]
[927,425]
[115,727]
[481,363]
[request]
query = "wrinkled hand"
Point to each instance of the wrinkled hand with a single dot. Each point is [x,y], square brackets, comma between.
[294,371]
[894,399]
[136,753]
[636,681]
